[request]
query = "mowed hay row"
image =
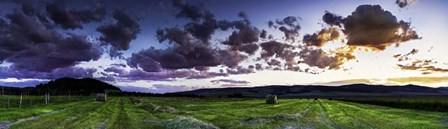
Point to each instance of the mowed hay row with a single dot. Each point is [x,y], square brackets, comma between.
[182,122]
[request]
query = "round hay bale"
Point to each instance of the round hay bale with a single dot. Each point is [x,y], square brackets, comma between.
[271,99]
[102,97]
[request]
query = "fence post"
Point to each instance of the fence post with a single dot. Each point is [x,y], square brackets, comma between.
[46,99]
[20,105]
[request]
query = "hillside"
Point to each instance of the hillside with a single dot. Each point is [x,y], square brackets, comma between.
[353,90]
[64,86]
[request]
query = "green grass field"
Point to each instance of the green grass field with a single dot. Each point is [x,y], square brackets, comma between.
[194,113]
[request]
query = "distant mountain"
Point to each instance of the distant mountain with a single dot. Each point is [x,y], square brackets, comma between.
[64,86]
[354,90]
[445,88]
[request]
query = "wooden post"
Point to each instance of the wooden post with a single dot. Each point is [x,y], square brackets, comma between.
[46,100]
[20,105]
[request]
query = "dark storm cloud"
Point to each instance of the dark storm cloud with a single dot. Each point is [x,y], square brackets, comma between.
[231,58]
[316,57]
[186,10]
[249,48]
[263,34]
[190,44]
[26,39]
[372,26]
[26,28]
[120,34]
[59,53]
[73,72]
[28,8]
[368,26]
[166,75]
[274,62]
[277,49]
[116,70]
[278,55]
[320,38]
[203,31]
[320,59]
[145,60]
[70,18]
[289,26]
[258,66]
[151,60]
[204,26]
[245,35]
[332,19]
[176,35]
[404,3]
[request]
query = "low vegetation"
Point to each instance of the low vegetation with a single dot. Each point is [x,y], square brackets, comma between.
[419,103]
[14,101]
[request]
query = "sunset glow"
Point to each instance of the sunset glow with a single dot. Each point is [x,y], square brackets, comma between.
[167,46]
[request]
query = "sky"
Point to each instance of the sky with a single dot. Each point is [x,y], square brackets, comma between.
[162,46]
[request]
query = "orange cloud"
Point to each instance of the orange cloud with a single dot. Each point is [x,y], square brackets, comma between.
[418,80]
[426,66]
[392,81]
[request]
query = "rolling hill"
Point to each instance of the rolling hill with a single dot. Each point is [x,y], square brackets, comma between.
[354,90]
[64,86]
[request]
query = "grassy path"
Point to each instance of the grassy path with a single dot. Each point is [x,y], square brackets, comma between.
[58,120]
[14,114]
[9,124]
[353,115]
[236,113]
[325,118]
